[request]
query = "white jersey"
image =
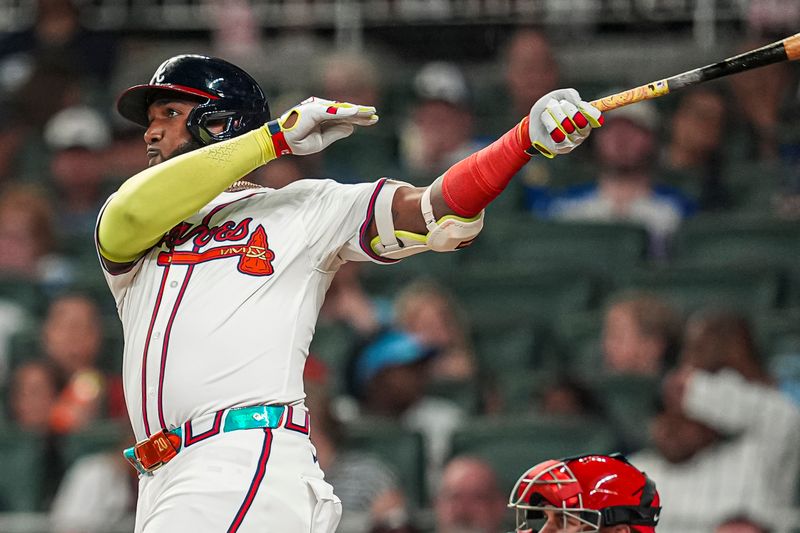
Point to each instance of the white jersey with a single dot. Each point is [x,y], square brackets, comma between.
[221,312]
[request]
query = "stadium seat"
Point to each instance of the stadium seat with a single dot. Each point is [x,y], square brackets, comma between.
[597,247]
[466,394]
[334,344]
[517,388]
[23,467]
[579,339]
[629,400]
[690,288]
[23,292]
[513,444]
[400,449]
[499,294]
[511,346]
[387,280]
[109,436]
[732,241]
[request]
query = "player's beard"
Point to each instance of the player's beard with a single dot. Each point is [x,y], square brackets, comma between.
[189,146]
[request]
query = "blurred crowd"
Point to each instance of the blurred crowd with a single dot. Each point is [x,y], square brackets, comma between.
[431,384]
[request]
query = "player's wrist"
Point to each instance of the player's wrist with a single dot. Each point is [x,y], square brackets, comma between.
[266,141]
[277,137]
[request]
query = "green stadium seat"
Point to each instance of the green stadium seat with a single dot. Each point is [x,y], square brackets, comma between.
[401,449]
[737,241]
[23,471]
[334,344]
[466,394]
[510,346]
[25,345]
[776,331]
[598,247]
[102,436]
[749,291]
[579,339]
[517,389]
[25,293]
[499,293]
[388,280]
[629,400]
[513,444]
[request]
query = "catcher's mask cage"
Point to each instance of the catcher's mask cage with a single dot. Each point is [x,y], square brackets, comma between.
[553,486]
[231,102]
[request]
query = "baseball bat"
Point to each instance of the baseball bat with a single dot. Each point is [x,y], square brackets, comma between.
[787,49]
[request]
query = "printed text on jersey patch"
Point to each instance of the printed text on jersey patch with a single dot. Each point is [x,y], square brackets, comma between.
[255,257]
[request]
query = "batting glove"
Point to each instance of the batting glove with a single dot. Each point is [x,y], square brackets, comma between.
[560,121]
[317,123]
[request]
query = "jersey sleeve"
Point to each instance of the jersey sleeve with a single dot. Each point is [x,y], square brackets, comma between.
[337,217]
[120,279]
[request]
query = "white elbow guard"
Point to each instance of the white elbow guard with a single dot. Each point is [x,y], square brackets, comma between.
[447,234]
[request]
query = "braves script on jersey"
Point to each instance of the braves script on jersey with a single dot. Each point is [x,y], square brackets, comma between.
[220,313]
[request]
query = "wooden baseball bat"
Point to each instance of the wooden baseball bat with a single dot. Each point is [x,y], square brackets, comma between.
[787,49]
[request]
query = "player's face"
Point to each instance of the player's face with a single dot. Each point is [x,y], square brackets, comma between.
[167,136]
[558,522]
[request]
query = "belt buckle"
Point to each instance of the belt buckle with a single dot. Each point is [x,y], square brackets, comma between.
[153,453]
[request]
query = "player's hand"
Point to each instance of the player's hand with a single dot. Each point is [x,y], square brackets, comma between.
[560,121]
[316,123]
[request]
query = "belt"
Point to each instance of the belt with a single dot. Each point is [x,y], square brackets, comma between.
[151,454]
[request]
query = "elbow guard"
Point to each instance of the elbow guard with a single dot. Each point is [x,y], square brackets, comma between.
[446,234]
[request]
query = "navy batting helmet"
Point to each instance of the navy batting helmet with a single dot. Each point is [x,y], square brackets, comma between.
[226,93]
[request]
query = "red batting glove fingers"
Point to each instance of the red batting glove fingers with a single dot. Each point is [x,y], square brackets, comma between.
[579,120]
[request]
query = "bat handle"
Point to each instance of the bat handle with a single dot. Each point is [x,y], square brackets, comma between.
[631,96]
[792,47]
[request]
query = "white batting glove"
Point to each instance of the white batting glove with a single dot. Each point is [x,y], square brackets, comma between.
[560,121]
[317,124]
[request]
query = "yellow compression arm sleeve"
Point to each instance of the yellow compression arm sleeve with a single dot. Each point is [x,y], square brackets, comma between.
[152,202]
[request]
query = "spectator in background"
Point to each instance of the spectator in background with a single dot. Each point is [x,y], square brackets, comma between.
[370,491]
[469,498]
[441,126]
[566,395]
[288,170]
[427,311]
[97,493]
[773,19]
[72,339]
[693,156]
[768,107]
[348,303]
[389,378]
[77,137]
[626,187]
[740,524]
[531,70]
[32,393]
[57,38]
[355,78]
[726,442]
[27,242]
[641,334]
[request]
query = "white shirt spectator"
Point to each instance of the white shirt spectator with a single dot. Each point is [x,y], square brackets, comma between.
[96,496]
[754,472]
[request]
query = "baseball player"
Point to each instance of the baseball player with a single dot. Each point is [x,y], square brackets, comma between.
[218,282]
[603,493]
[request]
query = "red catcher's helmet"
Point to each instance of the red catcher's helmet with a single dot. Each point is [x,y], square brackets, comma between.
[226,94]
[597,490]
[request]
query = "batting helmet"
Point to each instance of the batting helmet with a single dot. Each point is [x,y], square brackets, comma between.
[226,94]
[594,490]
